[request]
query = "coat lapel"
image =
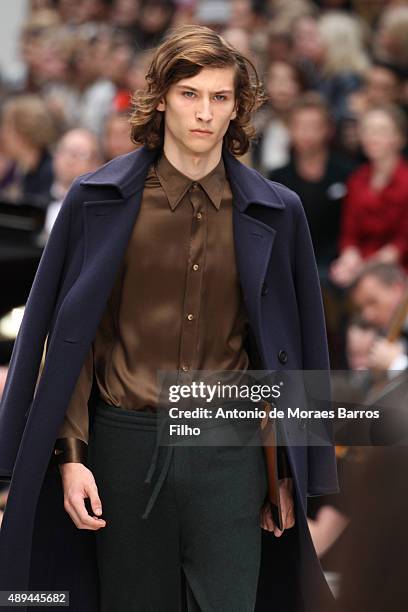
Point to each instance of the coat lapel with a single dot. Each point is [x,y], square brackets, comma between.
[108,225]
[253,238]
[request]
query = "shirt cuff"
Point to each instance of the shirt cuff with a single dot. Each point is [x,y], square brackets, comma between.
[70,450]
[284,470]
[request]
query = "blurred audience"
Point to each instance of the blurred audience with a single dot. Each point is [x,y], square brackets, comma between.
[116,140]
[390,41]
[378,293]
[316,173]
[27,132]
[381,85]
[343,61]
[283,84]
[77,152]
[375,215]
[360,338]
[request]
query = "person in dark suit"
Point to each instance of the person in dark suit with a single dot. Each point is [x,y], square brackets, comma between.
[317,174]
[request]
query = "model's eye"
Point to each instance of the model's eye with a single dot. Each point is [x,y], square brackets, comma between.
[220,97]
[187,94]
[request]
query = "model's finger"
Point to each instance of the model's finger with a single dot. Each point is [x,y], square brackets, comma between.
[263,519]
[78,504]
[96,503]
[269,520]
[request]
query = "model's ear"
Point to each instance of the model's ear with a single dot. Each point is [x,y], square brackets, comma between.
[161,105]
[234,113]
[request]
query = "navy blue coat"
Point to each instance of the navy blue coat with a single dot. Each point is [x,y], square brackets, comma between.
[40,547]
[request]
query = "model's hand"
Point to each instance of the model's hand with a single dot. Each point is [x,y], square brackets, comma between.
[287,509]
[78,483]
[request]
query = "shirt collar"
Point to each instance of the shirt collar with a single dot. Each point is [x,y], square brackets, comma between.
[175,184]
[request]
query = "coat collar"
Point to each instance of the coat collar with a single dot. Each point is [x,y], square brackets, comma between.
[127,173]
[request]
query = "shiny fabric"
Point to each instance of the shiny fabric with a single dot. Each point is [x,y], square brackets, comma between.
[176,302]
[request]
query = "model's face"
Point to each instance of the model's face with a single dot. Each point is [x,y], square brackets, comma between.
[376,301]
[205,102]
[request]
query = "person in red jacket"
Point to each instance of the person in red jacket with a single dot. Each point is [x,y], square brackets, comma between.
[375,216]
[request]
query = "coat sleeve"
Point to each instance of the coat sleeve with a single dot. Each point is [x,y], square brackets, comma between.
[322,470]
[28,348]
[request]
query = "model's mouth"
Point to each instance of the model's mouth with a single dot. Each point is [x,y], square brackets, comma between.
[200,132]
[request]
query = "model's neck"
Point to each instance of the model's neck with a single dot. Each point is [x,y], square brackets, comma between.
[192,165]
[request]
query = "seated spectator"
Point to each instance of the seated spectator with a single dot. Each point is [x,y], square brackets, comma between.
[330,51]
[375,215]
[381,85]
[136,75]
[82,11]
[360,337]
[283,85]
[308,48]
[27,132]
[240,38]
[390,43]
[124,15]
[121,57]
[77,152]
[93,94]
[377,293]
[316,174]
[155,18]
[116,136]
[39,28]
[344,61]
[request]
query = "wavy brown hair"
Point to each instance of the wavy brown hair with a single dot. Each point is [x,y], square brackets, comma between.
[183,53]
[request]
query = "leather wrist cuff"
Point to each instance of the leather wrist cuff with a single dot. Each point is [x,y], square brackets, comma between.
[70,450]
[284,470]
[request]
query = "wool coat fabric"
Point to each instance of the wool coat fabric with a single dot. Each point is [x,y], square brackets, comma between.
[40,547]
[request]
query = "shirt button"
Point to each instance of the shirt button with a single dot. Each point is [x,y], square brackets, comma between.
[195,185]
[199,215]
[184,368]
[190,317]
[195,267]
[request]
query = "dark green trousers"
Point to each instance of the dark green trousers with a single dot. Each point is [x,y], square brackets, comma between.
[198,547]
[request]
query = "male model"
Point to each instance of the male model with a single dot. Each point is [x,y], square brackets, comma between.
[173,257]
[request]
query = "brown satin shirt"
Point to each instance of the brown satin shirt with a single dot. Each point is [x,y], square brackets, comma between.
[176,302]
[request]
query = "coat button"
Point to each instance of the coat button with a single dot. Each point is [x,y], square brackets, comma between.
[282,356]
[265,289]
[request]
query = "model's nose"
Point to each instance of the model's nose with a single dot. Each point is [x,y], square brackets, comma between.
[204,112]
